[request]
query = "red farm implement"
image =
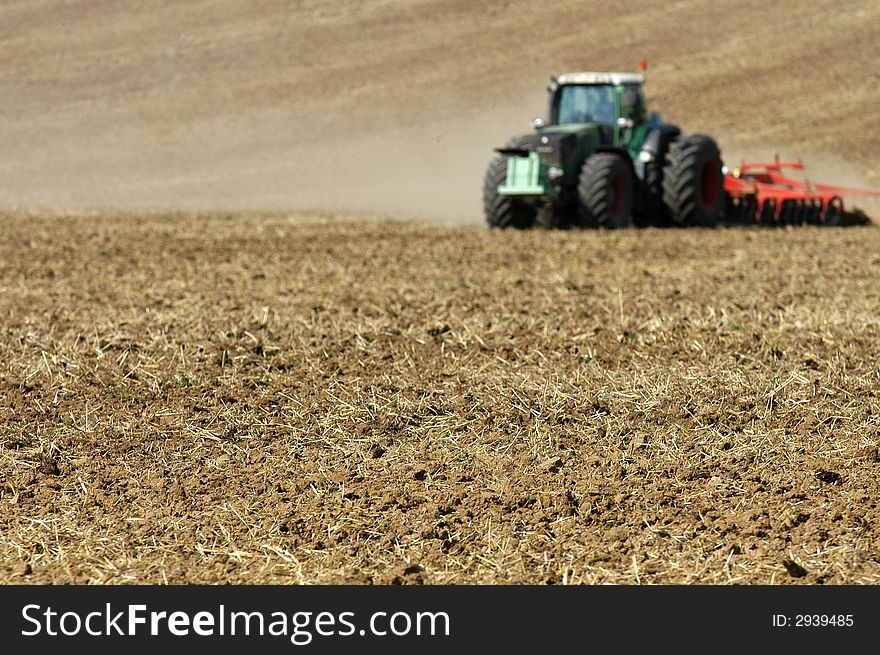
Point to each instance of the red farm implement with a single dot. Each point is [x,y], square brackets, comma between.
[764,193]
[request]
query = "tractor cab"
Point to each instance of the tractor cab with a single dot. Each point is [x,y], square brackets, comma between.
[614,100]
[587,113]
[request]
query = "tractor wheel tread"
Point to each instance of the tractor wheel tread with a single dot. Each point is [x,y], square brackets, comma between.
[595,192]
[504,211]
[682,179]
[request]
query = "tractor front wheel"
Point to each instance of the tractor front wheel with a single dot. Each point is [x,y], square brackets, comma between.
[693,182]
[504,211]
[605,192]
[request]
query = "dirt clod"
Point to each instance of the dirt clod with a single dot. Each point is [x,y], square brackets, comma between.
[49,466]
[829,477]
[794,569]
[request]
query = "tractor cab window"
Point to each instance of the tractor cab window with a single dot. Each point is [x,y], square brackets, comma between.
[593,103]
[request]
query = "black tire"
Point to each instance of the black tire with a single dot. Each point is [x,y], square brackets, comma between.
[605,192]
[650,210]
[832,215]
[787,210]
[693,182]
[750,210]
[814,217]
[734,209]
[505,211]
[768,213]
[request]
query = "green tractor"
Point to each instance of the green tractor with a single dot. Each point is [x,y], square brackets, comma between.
[600,160]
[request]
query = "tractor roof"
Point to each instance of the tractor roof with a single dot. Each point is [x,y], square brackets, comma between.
[600,78]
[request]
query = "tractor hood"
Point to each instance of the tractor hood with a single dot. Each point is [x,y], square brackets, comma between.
[570,128]
[555,143]
[578,130]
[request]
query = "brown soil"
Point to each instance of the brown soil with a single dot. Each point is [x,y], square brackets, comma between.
[315,397]
[318,399]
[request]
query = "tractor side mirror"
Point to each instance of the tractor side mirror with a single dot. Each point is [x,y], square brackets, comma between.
[538,123]
[625,123]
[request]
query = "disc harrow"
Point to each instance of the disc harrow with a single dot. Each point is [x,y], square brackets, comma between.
[762,193]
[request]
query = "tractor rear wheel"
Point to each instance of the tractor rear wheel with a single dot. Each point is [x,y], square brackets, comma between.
[605,192]
[693,182]
[504,211]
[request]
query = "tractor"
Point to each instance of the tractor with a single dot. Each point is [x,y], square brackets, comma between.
[600,160]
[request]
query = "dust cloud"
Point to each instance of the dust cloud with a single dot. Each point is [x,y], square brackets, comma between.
[431,170]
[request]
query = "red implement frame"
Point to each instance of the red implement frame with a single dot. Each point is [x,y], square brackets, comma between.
[761,192]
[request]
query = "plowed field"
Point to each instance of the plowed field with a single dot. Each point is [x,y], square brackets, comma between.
[253,330]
